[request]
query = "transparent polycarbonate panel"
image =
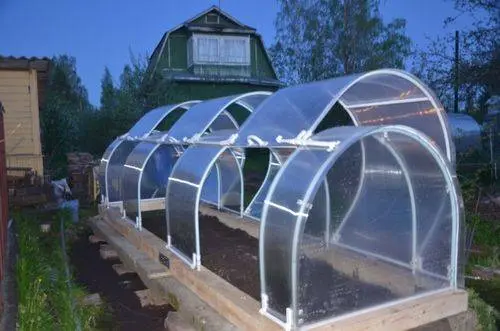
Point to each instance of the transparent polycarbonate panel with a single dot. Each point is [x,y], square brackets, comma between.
[181,217]
[230,181]
[223,122]
[210,192]
[199,117]
[216,137]
[183,191]
[151,119]
[130,182]
[291,110]
[418,115]
[141,154]
[104,163]
[382,88]
[381,219]
[254,209]
[280,217]
[156,172]
[435,211]
[252,100]
[115,170]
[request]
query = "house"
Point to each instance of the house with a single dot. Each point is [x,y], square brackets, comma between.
[211,55]
[22,86]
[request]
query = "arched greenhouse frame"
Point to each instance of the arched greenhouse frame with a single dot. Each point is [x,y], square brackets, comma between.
[341,209]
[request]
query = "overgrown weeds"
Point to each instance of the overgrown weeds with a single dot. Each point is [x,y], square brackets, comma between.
[48,299]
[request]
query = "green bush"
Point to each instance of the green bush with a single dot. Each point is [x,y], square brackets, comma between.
[487,316]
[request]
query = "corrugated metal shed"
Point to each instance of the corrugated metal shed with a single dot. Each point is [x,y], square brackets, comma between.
[466,132]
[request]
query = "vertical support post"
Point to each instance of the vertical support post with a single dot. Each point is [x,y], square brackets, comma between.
[219,188]
[457,61]
[327,213]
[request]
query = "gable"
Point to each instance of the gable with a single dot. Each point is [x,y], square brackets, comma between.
[213,18]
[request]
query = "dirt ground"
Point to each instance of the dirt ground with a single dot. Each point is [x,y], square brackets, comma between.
[233,255]
[98,276]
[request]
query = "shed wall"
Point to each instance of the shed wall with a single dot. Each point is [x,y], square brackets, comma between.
[19,96]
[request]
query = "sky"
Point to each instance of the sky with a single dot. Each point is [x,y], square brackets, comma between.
[101,33]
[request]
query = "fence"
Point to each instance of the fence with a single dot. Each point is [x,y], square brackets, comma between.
[3,199]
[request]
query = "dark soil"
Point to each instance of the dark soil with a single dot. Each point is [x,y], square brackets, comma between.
[232,254]
[98,276]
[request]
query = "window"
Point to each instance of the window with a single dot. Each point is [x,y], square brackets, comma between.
[219,50]
[207,50]
[212,18]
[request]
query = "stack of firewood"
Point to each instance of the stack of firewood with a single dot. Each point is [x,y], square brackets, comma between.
[81,177]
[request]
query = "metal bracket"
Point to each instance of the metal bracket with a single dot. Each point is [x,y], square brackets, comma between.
[308,206]
[138,223]
[450,272]
[416,263]
[254,140]
[193,139]
[229,141]
[302,139]
[287,325]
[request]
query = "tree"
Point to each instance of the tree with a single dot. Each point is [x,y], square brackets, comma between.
[108,91]
[319,39]
[479,64]
[61,115]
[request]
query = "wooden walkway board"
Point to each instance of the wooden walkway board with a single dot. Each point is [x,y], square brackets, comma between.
[121,269]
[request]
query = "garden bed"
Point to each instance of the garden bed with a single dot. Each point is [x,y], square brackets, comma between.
[232,254]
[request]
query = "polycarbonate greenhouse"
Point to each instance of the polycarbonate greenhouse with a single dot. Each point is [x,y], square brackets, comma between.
[343,211]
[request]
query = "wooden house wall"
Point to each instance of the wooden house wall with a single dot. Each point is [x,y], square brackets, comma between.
[19,96]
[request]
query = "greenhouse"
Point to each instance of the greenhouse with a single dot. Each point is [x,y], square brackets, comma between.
[358,208]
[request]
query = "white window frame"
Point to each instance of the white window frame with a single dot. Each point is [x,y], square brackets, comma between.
[193,55]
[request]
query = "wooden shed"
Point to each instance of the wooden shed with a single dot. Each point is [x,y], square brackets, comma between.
[22,85]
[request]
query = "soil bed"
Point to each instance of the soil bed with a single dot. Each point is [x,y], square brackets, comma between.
[232,254]
[98,276]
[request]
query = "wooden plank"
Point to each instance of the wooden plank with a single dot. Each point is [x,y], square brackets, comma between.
[21,90]
[14,105]
[8,98]
[121,269]
[153,204]
[107,252]
[179,296]
[404,316]
[37,145]
[16,74]
[23,114]
[14,81]
[235,305]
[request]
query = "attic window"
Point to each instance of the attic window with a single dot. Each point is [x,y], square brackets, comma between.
[212,19]
[218,50]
